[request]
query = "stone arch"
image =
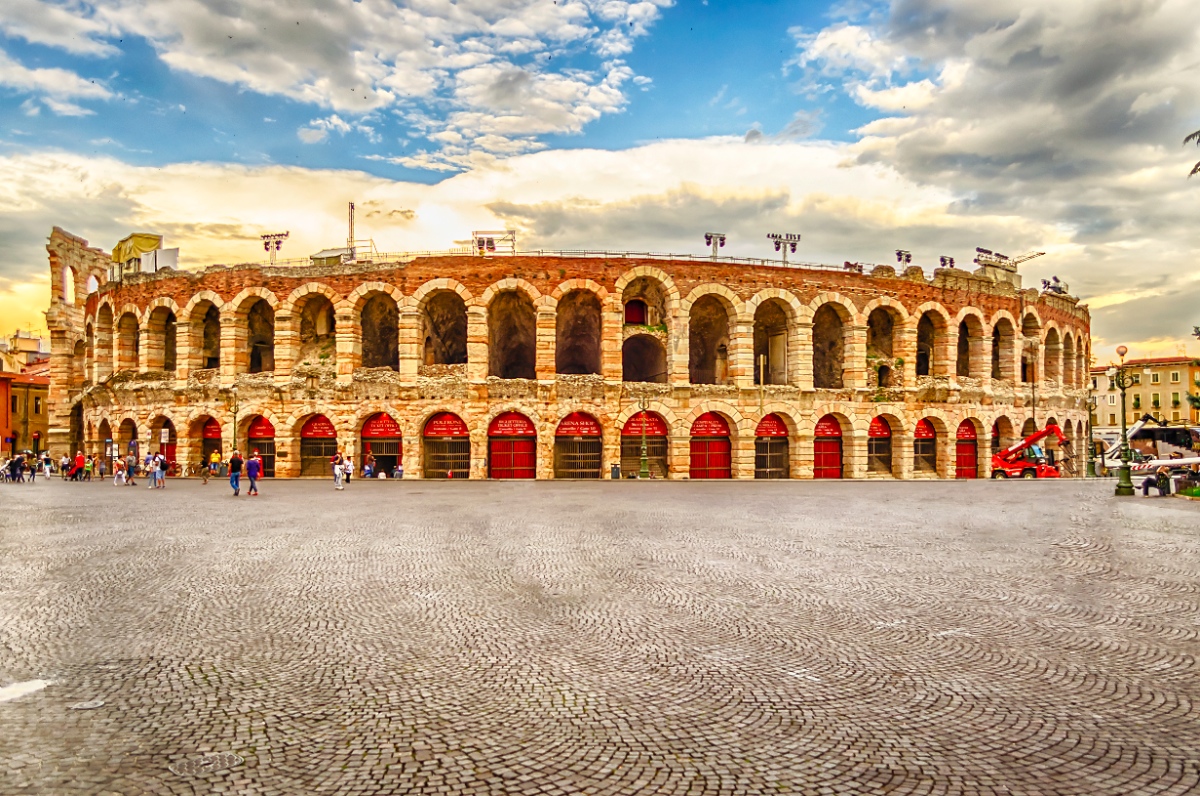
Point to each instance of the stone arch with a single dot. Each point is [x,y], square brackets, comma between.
[203,318]
[1004,347]
[161,321]
[932,330]
[655,290]
[644,359]
[886,318]
[291,305]
[578,336]
[831,344]
[711,321]
[128,340]
[1052,354]
[774,315]
[942,443]
[509,284]
[422,294]
[377,312]
[105,322]
[969,356]
[67,287]
[892,459]
[312,324]
[79,357]
[443,325]
[739,424]
[512,333]
[580,284]
[666,283]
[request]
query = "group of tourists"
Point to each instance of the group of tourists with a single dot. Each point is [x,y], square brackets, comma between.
[252,467]
[22,468]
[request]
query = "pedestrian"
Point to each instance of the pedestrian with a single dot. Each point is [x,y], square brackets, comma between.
[205,472]
[31,465]
[119,472]
[88,465]
[235,472]
[214,462]
[253,471]
[398,472]
[1161,480]
[101,467]
[130,469]
[337,462]
[161,472]
[47,464]
[347,470]
[64,466]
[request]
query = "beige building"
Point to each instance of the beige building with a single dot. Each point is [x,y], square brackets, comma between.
[559,365]
[1161,387]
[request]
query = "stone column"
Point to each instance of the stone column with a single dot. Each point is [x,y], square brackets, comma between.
[183,355]
[150,348]
[545,344]
[233,342]
[741,358]
[904,347]
[411,345]
[854,454]
[611,326]
[348,345]
[678,350]
[945,360]
[743,456]
[479,453]
[981,357]
[802,455]
[854,361]
[287,347]
[477,344]
[902,454]
[802,377]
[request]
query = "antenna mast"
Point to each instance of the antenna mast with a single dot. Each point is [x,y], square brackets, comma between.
[350,240]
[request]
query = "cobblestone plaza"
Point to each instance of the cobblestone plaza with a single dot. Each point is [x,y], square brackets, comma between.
[556,638]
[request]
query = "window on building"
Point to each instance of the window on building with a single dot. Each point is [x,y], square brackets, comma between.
[1154,400]
[1112,419]
[1154,378]
[1093,382]
[1174,399]
[1112,400]
[14,404]
[1174,377]
[37,405]
[1137,378]
[1174,415]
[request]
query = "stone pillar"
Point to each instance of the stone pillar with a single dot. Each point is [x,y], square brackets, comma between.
[287,347]
[743,456]
[678,350]
[477,345]
[611,326]
[150,348]
[612,451]
[1053,367]
[854,361]
[233,342]
[803,458]
[411,344]
[854,452]
[679,455]
[981,356]
[741,358]
[545,455]
[945,360]
[183,356]
[348,346]
[479,452]
[545,344]
[904,347]
[803,375]
[902,454]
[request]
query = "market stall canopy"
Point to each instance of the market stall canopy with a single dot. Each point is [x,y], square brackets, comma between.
[132,247]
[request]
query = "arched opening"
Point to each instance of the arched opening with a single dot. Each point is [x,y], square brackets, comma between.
[206,335]
[104,343]
[446,447]
[644,359]
[1003,336]
[925,448]
[1028,428]
[209,432]
[929,329]
[881,330]
[512,447]
[318,331]
[651,429]
[879,446]
[260,337]
[161,340]
[104,438]
[770,343]
[827,448]
[68,285]
[164,441]
[577,333]
[578,449]
[78,365]
[380,326]
[318,446]
[260,439]
[1052,356]
[708,341]
[829,348]
[1069,372]
[127,439]
[445,329]
[76,428]
[1031,331]
[636,312]
[970,347]
[1002,434]
[645,302]
[772,452]
[711,450]
[90,352]
[128,342]
[966,451]
[382,445]
[93,284]
[512,336]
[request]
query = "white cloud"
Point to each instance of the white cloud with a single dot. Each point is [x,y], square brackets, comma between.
[71,26]
[53,87]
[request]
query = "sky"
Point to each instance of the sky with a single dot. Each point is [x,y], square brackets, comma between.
[866,126]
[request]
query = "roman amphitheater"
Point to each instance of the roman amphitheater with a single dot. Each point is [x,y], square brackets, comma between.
[562,365]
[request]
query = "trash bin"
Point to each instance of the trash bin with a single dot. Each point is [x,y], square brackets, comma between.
[615,472]
[224,471]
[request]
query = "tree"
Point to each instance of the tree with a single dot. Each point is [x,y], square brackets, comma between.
[1193,137]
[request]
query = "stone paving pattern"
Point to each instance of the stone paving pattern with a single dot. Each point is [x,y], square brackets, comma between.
[617,638]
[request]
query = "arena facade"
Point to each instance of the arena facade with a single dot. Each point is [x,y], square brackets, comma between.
[559,366]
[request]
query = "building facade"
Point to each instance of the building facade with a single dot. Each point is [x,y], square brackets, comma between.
[26,412]
[1161,388]
[563,366]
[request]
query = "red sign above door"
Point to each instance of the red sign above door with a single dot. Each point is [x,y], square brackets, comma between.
[318,427]
[966,430]
[261,428]
[771,426]
[879,429]
[446,424]
[511,424]
[654,425]
[577,424]
[925,430]
[381,425]
[828,426]
[710,424]
[212,429]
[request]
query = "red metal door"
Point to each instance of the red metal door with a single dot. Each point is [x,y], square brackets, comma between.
[512,457]
[711,458]
[827,457]
[966,459]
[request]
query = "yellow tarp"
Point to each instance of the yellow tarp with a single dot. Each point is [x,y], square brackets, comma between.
[135,245]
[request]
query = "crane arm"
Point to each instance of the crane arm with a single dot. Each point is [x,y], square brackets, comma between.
[1008,454]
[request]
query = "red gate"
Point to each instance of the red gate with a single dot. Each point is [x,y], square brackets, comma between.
[512,447]
[656,435]
[966,451]
[712,454]
[827,448]
[260,438]
[382,440]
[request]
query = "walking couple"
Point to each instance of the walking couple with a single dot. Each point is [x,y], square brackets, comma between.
[343,466]
[253,468]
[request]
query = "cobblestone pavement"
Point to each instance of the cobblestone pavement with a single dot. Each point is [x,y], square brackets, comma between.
[558,638]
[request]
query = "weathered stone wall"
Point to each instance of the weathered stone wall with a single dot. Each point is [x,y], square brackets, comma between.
[460,323]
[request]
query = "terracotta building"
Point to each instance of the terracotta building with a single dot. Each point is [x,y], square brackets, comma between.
[502,366]
[25,414]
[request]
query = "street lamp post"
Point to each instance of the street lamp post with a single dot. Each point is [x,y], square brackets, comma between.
[231,403]
[1093,402]
[1119,379]
[644,468]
